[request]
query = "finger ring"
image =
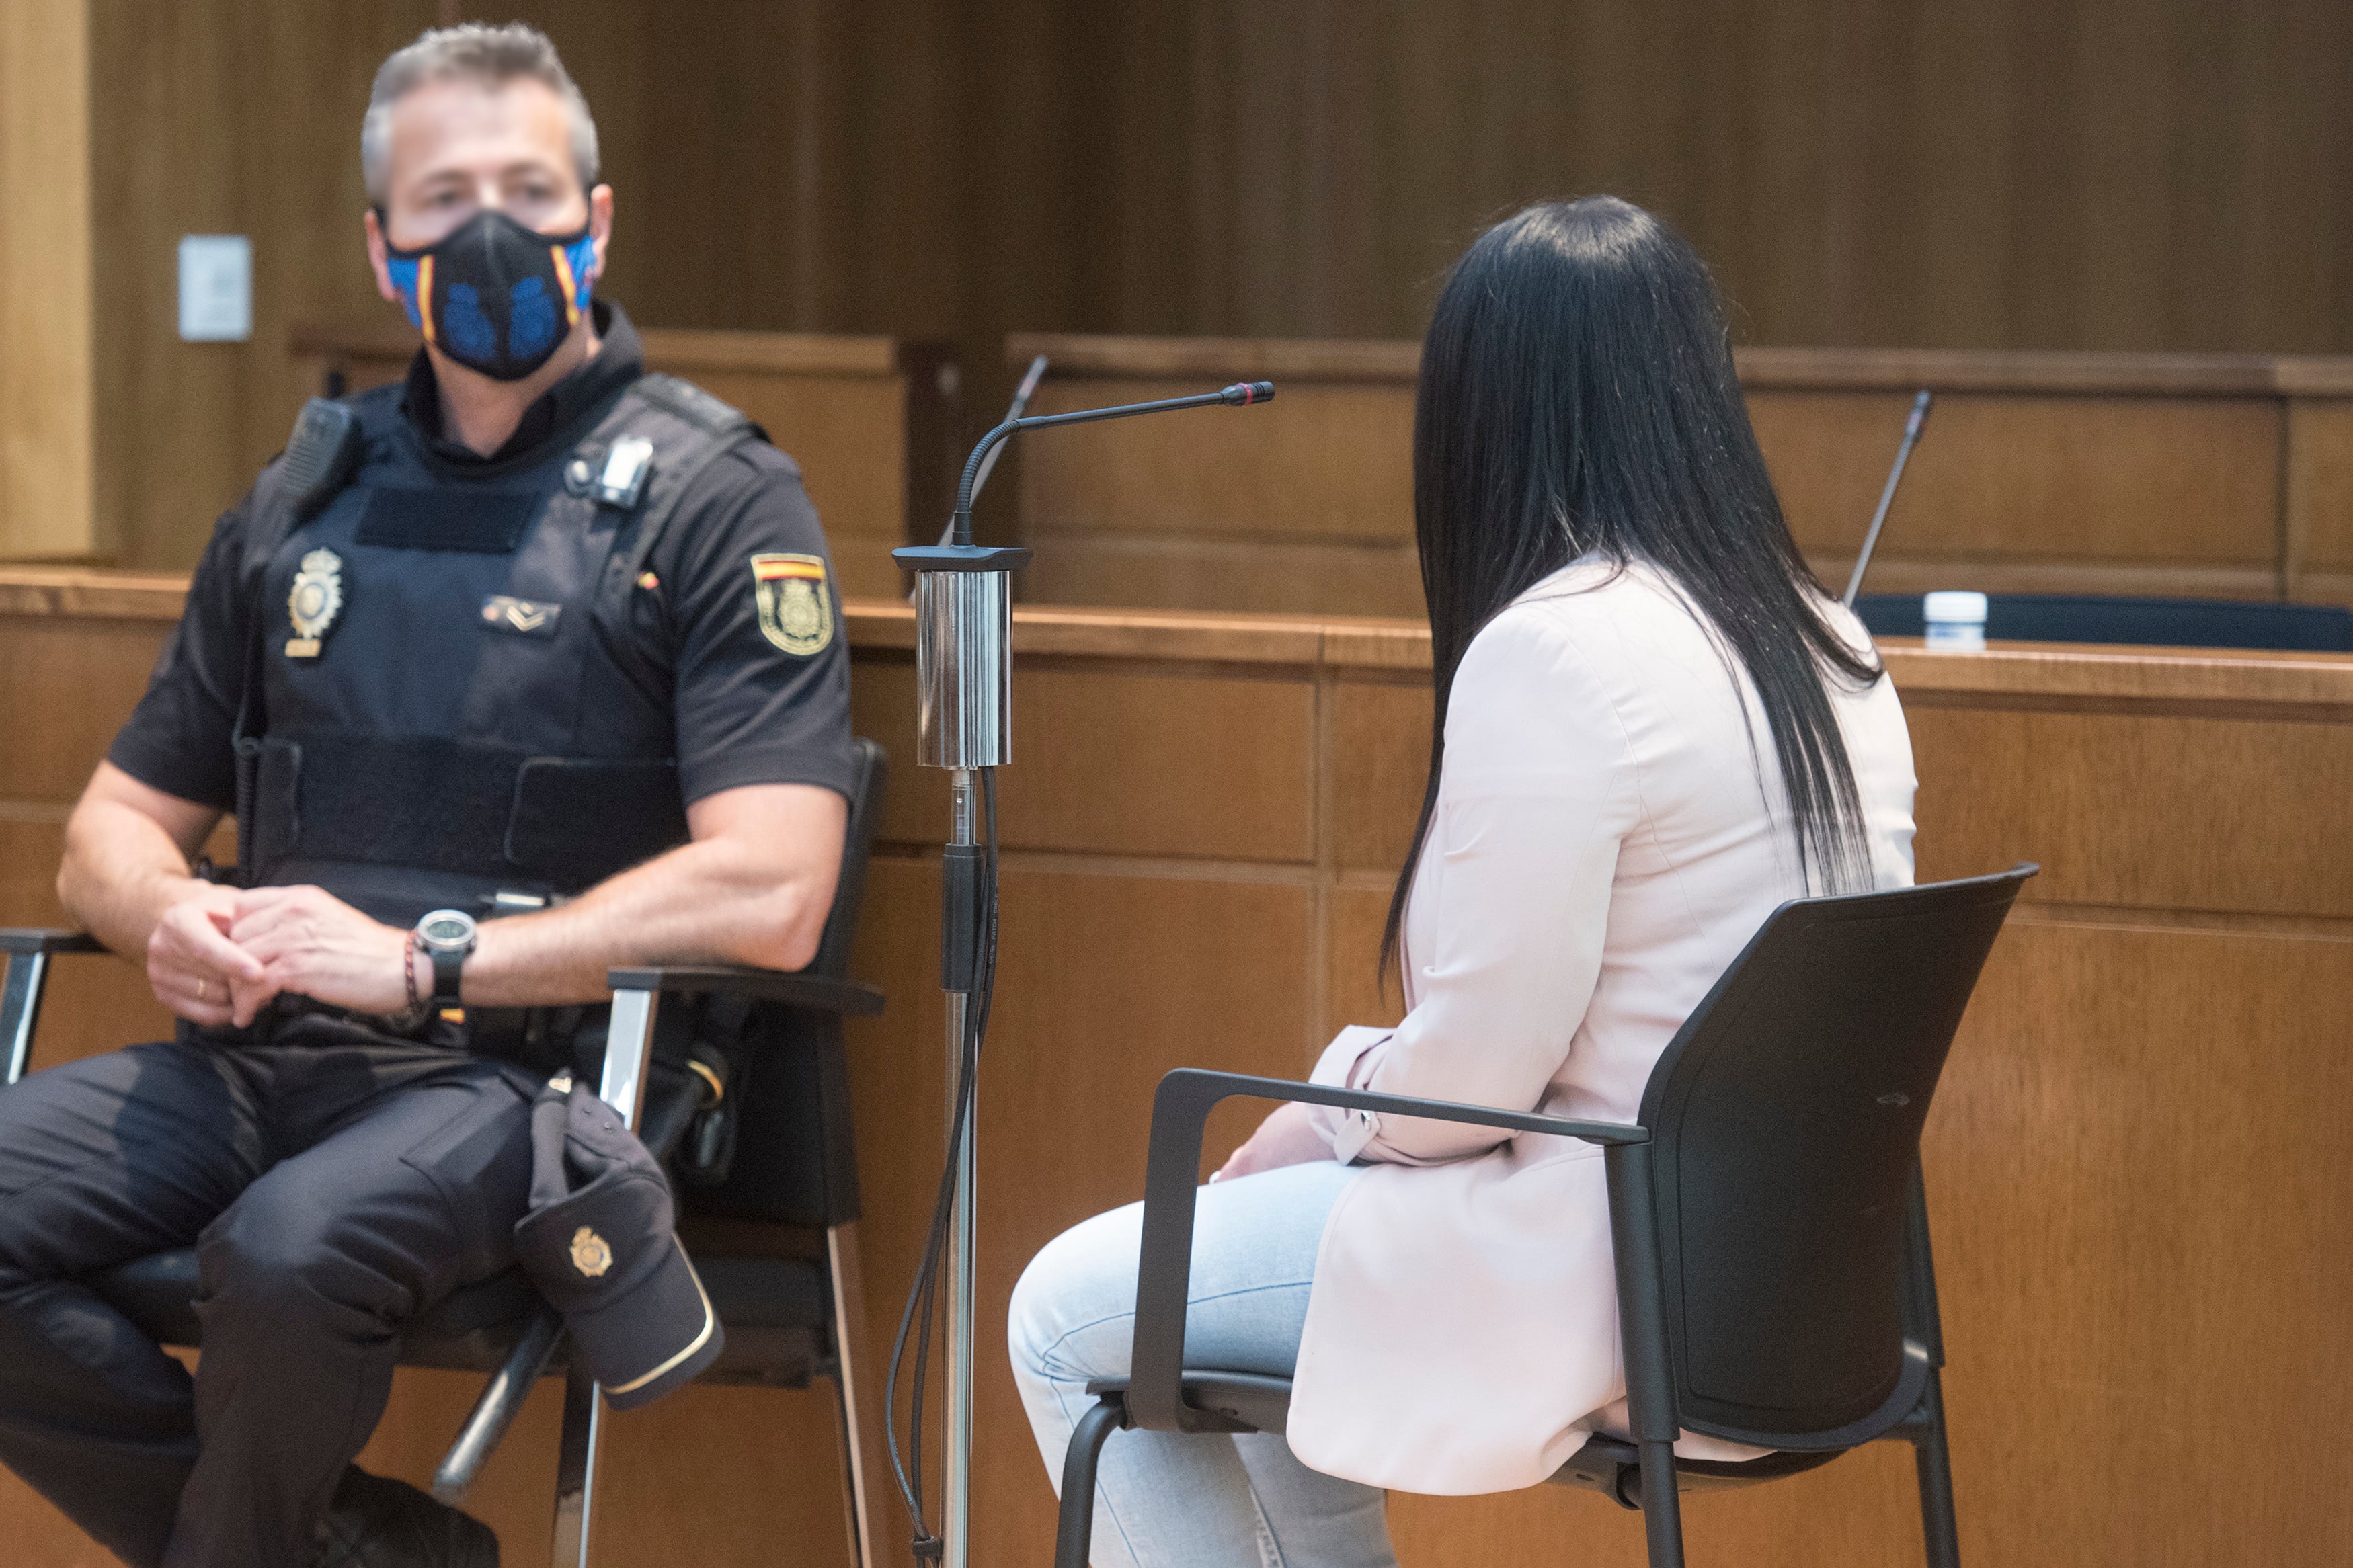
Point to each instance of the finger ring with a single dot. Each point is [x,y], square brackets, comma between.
[200,990]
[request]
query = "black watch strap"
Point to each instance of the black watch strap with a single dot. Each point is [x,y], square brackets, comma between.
[445,969]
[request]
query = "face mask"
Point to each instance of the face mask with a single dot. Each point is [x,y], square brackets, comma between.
[495,295]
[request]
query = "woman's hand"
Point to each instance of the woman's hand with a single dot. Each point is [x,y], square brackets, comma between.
[1287,1137]
[313,944]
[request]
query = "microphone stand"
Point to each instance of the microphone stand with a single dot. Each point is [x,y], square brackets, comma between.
[963,716]
[1913,422]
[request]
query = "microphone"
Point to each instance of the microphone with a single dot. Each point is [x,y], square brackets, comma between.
[963,706]
[1240,394]
[1913,422]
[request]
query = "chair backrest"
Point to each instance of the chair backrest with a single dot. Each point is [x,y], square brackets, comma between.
[1785,1119]
[872,771]
[2105,618]
[795,1153]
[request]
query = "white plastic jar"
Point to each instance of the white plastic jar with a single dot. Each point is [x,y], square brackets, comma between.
[1955,621]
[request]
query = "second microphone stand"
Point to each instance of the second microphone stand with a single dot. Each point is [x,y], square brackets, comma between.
[963,716]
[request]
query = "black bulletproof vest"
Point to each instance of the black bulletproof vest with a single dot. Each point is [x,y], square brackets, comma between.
[452,690]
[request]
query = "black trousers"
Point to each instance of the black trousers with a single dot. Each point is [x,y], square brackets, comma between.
[333,1182]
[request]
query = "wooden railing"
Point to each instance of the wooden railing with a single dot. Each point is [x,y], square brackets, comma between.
[2225,476]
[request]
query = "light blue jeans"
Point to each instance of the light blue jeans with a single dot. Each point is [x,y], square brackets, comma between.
[1171,1500]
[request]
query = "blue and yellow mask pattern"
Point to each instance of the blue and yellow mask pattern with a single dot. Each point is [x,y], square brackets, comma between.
[495,295]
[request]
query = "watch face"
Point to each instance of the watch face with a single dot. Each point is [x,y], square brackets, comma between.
[446,931]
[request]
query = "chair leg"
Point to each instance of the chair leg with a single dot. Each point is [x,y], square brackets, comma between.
[1938,1526]
[1642,1323]
[1662,1507]
[854,1392]
[575,1467]
[629,1041]
[1076,1528]
[501,1401]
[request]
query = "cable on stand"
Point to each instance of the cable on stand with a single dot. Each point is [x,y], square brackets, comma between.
[964,681]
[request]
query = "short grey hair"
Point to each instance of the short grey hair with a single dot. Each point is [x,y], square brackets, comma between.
[491,56]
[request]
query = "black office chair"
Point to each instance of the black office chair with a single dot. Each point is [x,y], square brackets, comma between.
[1772,1234]
[775,1244]
[2117,618]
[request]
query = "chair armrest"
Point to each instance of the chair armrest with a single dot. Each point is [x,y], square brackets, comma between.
[47,940]
[25,953]
[1180,1113]
[815,992]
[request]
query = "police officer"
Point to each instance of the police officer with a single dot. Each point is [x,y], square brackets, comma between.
[535,635]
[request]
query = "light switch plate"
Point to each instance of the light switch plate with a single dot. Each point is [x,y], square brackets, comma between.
[216,288]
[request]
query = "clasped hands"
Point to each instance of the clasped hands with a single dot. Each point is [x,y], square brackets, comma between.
[220,955]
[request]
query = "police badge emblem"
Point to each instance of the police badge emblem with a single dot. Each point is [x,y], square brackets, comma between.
[316,600]
[795,610]
[591,1254]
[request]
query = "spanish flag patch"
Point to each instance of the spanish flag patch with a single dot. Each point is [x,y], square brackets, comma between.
[796,607]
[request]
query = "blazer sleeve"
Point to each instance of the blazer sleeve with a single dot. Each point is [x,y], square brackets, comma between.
[1538,792]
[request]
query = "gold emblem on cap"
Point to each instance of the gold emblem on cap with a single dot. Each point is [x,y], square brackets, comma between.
[316,599]
[795,610]
[590,1255]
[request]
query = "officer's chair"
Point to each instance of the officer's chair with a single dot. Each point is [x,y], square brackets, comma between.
[775,1244]
[1773,1280]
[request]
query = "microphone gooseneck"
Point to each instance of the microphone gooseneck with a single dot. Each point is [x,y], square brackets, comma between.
[1021,406]
[1240,394]
[963,680]
[1913,422]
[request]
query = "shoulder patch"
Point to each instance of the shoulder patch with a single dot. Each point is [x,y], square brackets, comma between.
[796,609]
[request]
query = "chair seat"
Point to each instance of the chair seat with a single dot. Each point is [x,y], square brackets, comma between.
[1612,1467]
[1256,1402]
[775,1310]
[1252,1401]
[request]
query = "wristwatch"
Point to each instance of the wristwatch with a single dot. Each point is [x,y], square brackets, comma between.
[447,937]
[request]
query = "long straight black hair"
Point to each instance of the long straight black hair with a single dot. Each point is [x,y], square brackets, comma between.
[1577,399]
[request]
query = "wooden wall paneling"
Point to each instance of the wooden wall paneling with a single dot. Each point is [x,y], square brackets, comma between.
[2042,472]
[1323,462]
[70,683]
[1894,175]
[2019,178]
[217,117]
[2137,811]
[1105,981]
[2185,485]
[1380,743]
[1354,989]
[2126,1068]
[1148,571]
[47,303]
[898,1072]
[1184,764]
[855,435]
[1860,1509]
[2317,525]
[1307,511]
[2157,1033]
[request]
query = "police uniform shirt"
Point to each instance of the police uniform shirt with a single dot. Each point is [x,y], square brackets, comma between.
[746,707]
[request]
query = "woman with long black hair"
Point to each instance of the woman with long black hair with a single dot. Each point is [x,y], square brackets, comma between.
[1653,726]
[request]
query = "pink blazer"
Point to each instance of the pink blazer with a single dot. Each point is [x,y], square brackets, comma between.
[1610,830]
